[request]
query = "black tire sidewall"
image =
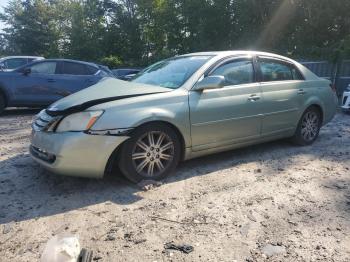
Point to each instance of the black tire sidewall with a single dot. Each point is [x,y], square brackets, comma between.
[2,103]
[298,138]
[125,162]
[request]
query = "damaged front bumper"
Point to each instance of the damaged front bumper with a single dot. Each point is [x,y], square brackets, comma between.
[74,153]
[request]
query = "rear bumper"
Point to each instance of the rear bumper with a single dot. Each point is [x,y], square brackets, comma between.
[345,102]
[74,153]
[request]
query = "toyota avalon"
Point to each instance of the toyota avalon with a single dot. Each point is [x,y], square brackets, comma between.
[181,108]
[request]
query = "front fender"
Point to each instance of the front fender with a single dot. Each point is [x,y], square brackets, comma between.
[176,115]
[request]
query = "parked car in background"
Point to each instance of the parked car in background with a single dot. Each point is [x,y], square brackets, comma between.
[180,108]
[346,100]
[125,73]
[42,82]
[12,62]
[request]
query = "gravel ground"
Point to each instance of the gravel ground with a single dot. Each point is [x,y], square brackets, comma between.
[274,202]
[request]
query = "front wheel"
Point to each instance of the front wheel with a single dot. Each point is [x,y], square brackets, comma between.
[152,152]
[309,127]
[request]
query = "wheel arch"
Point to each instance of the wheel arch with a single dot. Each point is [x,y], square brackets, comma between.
[111,163]
[314,102]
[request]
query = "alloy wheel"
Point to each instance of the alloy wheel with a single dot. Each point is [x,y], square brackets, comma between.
[310,126]
[153,153]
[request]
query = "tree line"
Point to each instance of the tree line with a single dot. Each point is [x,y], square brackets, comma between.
[138,32]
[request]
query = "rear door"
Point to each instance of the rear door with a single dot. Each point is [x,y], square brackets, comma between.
[232,114]
[73,77]
[283,95]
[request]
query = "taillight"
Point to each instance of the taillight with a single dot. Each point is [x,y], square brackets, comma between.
[332,86]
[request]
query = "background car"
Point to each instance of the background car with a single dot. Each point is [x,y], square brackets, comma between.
[346,100]
[125,73]
[12,62]
[43,82]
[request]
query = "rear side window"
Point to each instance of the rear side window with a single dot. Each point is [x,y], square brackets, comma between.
[278,71]
[71,68]
[236,72]
[92,70]
[15,62]
[44,68]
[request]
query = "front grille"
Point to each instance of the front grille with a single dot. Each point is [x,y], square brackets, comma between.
[44,122]
[344,100]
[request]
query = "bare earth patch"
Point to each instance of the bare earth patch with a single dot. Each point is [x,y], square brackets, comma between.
[274,202]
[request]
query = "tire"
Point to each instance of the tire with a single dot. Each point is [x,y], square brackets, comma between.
[2,104]
[308,127]
[85,255]
[152,153]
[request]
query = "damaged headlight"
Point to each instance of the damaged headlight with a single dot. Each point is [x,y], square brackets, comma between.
[81,121]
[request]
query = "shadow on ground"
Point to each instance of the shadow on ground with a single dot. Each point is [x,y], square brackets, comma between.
[28,192]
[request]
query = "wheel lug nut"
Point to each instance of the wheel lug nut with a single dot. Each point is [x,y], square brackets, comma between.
[152,158]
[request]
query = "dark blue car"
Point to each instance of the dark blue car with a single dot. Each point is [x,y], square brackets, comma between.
[43,82]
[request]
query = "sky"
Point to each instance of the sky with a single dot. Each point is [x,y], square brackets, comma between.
[2,3]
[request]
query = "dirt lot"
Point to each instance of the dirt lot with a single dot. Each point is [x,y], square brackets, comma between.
[274,202]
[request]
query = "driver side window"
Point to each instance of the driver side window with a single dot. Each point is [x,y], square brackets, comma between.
[44,68]
[236,72]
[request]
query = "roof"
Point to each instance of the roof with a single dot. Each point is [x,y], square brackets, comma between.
[23,56]
[239,52]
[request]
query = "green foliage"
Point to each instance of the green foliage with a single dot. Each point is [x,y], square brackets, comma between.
[138,32]
[112,61]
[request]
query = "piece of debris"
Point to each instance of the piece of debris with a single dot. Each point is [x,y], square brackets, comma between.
[183,248]
[111,235]
[85,255]
[61,248]
[7,228]
[147,185]
[251,217]
[271,250]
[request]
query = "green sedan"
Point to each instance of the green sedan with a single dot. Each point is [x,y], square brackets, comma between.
[181,108]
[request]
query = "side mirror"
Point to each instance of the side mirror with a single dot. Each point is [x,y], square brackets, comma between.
[2,66]
[210,82]
[27,71]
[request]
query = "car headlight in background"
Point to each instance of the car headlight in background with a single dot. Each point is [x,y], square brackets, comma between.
[81,121]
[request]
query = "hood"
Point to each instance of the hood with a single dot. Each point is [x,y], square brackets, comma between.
[108,89]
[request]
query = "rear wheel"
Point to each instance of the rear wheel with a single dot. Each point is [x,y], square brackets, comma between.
[2,104]
[309,127]
[152,152]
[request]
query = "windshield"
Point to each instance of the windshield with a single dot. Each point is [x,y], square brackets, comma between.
[171,73]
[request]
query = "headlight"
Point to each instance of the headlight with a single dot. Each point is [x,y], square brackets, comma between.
[79,121]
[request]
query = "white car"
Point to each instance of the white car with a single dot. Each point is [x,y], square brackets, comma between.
[346,100]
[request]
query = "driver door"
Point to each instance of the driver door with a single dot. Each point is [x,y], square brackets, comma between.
[228,115]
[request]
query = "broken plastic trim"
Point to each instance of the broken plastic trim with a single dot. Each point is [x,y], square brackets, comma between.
[83,106]
[110,132]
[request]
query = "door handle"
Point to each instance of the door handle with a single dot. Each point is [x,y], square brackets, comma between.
[301,92]
[253,98]
[51,80]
